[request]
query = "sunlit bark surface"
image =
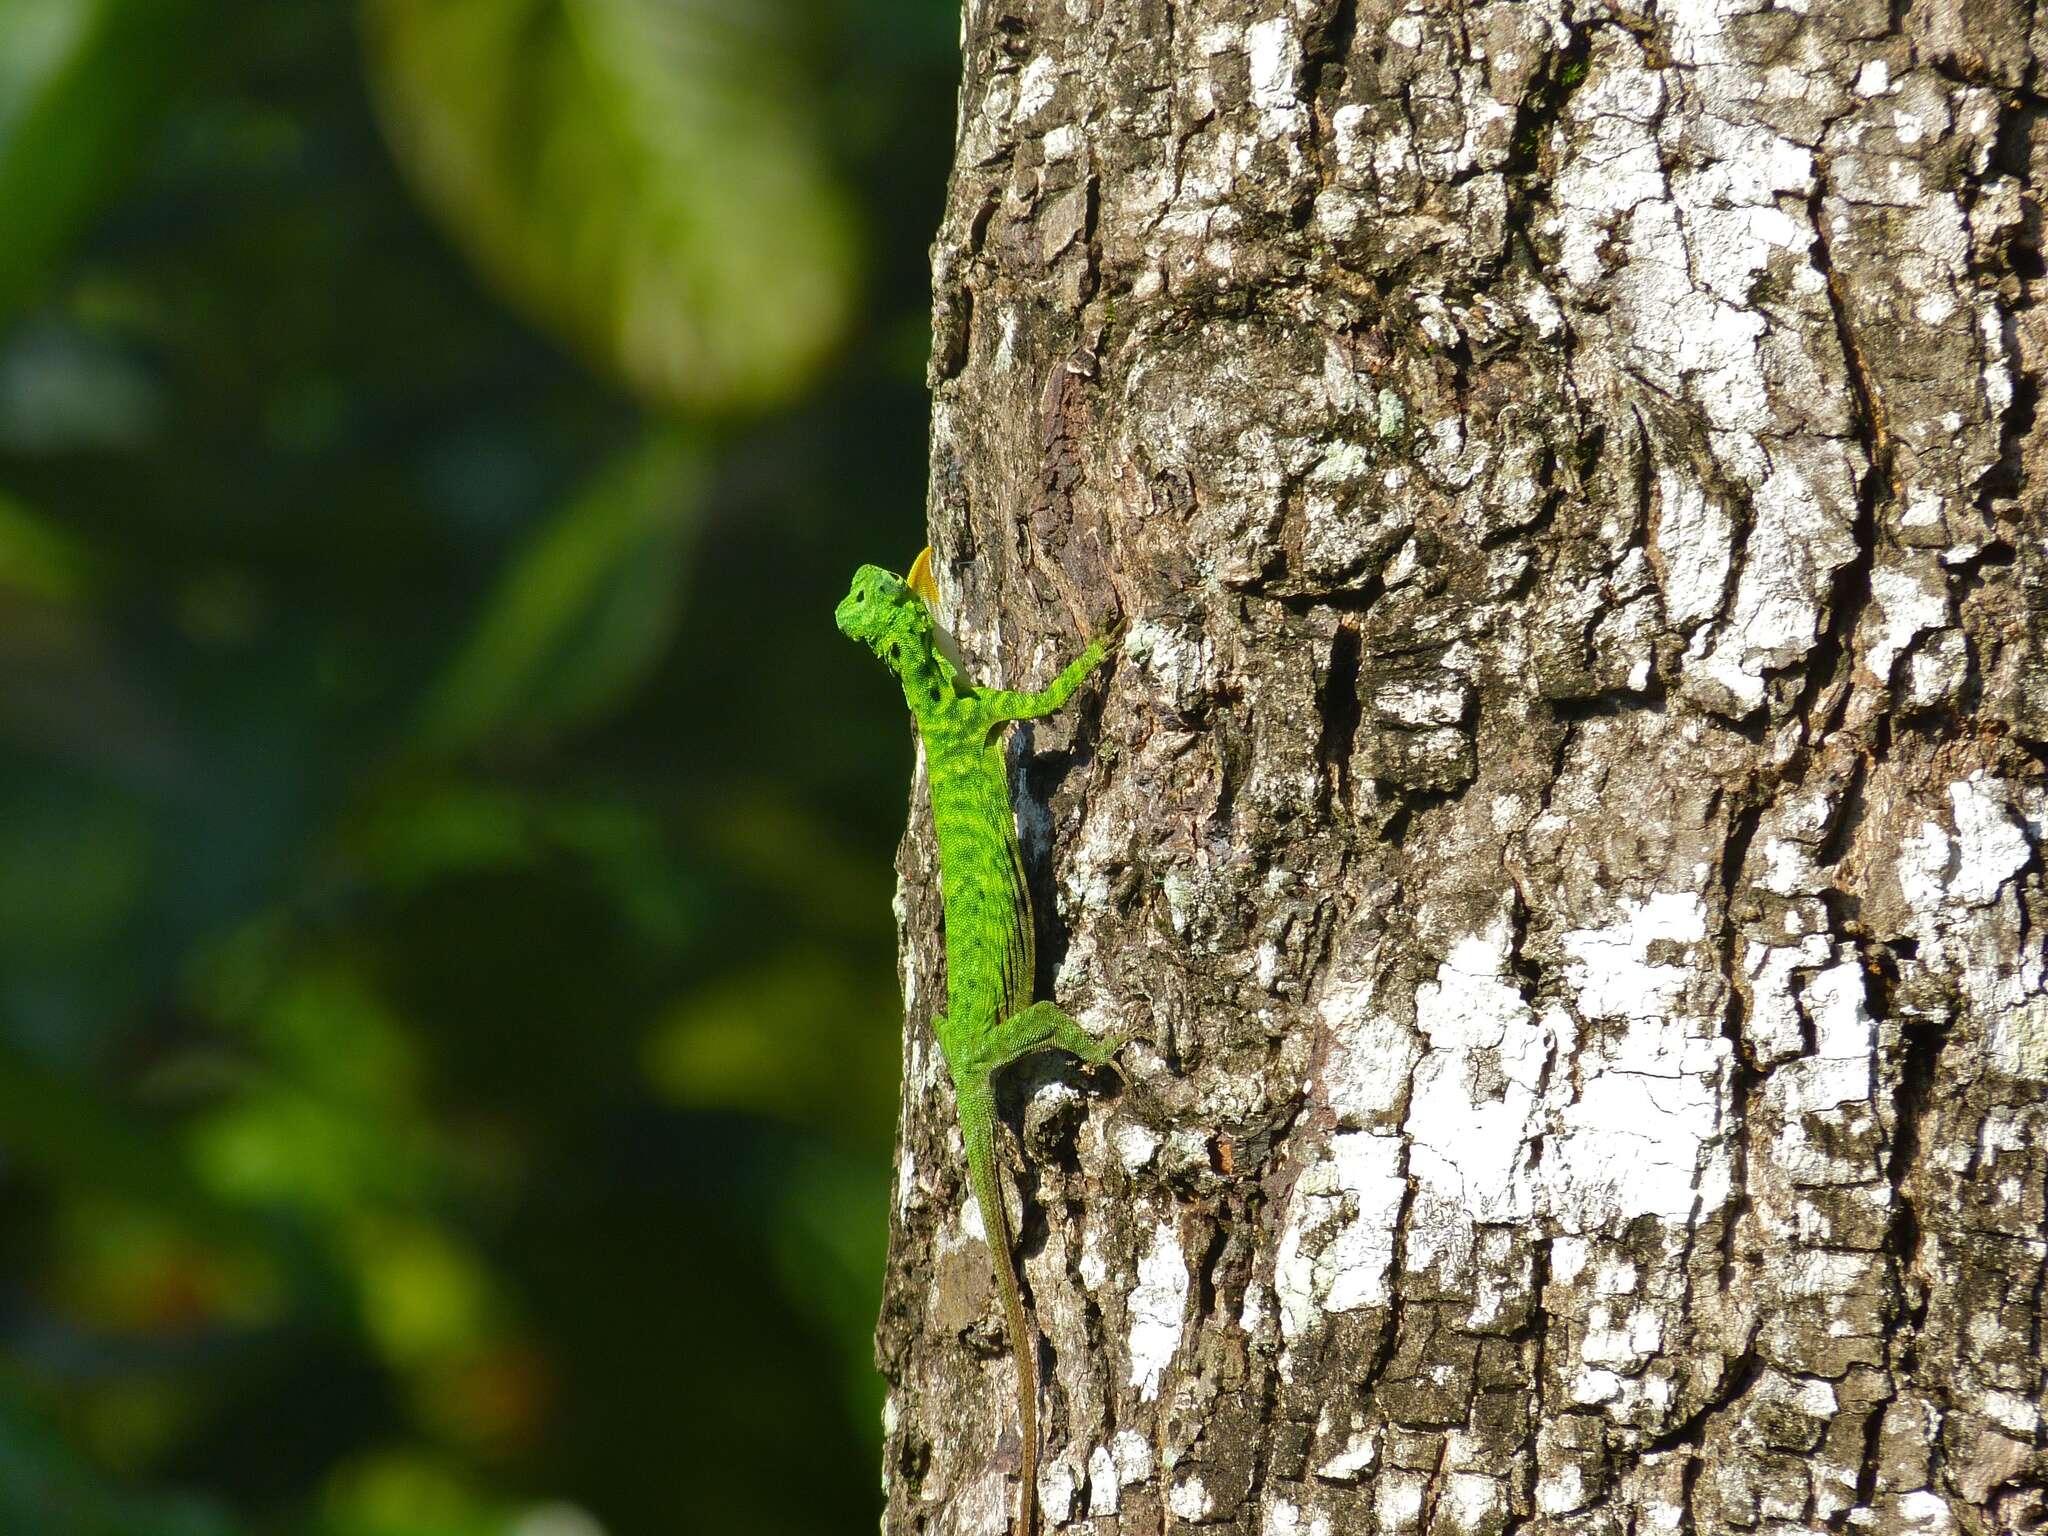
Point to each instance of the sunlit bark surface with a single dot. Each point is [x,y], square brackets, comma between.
[1567,822]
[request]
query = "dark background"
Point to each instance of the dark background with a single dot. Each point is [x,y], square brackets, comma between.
[448,1027]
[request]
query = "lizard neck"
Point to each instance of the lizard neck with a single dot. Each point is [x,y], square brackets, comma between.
[927,681]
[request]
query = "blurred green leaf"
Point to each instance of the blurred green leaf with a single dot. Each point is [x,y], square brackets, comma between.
[830,1238]
[787,1038]
[78,1138]
[79,79]
[582,612]
[76,865]
[420,831]
[789,849]
[133,1271]
[323,1117]
[405,1493]
[426,1296]
[37,558]
[640,175]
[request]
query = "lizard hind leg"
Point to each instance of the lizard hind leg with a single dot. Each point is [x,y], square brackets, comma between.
[1045,1025]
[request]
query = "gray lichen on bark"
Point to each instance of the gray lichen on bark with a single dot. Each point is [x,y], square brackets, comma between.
[1567,822]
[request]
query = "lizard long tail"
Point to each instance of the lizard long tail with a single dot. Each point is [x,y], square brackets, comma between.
[978,1129]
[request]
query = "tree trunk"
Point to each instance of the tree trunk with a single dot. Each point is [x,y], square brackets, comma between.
[1567,820]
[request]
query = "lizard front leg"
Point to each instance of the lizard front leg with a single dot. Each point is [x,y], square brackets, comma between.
[1001,705]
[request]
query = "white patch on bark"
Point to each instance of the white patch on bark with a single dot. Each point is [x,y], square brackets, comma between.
[1910,601]
[1136,1145]
[1562,1491]
[1124,1462]
[970,1219]
[1694,547]
[1337,1242]
[1190,1500]
[1397,1500]
[1773,1026]
[1104,1490]
[1179,664]
[1133,1453]
[1274,53]
[1477,1502]
[1157,1309]
[1286,1519]
[1036,88]
[983,1505]
[1361,1451]
[1991,846]
[1469,1146]
[1609,969]
[1093,1268]
[1632,1142]
[1839,1070]
[1925,1513]
[1058,1482]
[1777,601]
[1968,923]
[1418,704]
[1252,1316]
[1006,342]
[1668,216]
[1370,1057]
[906,1177]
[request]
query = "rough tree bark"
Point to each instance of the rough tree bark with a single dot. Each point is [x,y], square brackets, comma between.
[1569,816]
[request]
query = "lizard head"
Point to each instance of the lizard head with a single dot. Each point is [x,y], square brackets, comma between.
[880,608]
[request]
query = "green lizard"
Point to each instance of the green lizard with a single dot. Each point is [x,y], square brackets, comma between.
[990,1019]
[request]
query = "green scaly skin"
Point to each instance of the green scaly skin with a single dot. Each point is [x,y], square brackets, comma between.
[990,1019]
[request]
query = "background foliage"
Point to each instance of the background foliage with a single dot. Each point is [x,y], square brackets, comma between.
[447,1024]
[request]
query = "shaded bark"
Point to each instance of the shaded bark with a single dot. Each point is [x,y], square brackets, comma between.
[1567,821]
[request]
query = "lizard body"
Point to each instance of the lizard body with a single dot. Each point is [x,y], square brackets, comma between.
[990,1019]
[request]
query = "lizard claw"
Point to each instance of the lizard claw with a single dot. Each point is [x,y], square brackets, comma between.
[1110,1047]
